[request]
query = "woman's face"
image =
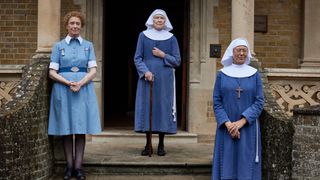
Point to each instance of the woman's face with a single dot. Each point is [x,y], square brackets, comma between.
[159,21]
[74,26]
[240,54]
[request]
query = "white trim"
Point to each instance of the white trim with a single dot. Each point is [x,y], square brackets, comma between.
[54,65]
[92,64]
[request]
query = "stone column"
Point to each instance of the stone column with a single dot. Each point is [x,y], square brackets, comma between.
[243,21]
[202,68]
[48,24]
[94,32]
[311,55]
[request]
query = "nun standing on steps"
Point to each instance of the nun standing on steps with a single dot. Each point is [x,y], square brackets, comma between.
[238,101]
[156,57]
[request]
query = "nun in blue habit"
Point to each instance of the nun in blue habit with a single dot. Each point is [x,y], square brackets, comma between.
[238,101]
[156,57]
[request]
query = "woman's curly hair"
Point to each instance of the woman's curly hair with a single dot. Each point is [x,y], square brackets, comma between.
[73,14]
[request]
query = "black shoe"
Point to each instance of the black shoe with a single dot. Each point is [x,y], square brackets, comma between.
[161,151]
[68,174]
[80,174]
[146,151]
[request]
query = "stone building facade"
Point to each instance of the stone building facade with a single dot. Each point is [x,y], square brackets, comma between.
[284,42]
[281,45]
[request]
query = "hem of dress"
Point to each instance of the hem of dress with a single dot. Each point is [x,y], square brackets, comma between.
[65,134]
[156,132]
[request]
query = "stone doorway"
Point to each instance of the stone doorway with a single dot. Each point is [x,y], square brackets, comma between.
[119,73]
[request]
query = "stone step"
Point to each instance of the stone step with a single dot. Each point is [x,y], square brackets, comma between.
[129,136]
[125,159]
[140,169]
[139,177]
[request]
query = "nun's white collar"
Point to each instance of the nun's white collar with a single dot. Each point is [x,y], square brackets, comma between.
[157,35]
[239,71]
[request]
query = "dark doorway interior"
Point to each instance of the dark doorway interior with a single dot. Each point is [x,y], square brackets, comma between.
[122,25]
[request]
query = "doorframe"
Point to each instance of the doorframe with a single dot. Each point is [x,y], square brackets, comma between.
[184,63]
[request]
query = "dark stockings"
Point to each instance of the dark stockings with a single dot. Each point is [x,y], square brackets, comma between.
[148,140]
[161,151]
[148,151]
[161,139]
[68,150]
[80,142]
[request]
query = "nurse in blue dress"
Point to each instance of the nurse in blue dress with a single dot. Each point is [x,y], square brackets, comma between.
[156,57]
[238,101]
[74,109]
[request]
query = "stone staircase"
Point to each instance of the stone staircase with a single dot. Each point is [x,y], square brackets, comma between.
[118,153]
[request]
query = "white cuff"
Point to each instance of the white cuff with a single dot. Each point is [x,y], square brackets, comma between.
[54,66]
[92,64]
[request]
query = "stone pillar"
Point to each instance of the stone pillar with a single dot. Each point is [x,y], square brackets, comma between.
[94,32]
[202,68]
[48,24]
[243,21]
[311,55]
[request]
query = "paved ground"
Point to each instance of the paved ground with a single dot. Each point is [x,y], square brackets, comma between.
[132,177]
[110,154]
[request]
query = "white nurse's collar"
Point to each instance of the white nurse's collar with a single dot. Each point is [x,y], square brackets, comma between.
[68,39]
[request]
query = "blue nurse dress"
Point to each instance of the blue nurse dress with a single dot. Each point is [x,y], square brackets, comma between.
[73,112]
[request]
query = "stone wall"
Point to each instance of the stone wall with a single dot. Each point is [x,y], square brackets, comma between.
[276,133]
[306,143]
[18,31]
[25,151]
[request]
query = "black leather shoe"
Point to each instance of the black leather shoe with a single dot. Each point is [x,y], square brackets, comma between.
[146,150]
[68,174]
[161,151]
[80,174]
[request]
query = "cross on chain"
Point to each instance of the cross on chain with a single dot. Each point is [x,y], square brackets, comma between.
[239,90]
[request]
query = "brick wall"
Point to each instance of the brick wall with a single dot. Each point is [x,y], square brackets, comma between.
[281,46]
[18,31]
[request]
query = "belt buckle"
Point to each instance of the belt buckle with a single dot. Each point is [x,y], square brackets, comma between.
[74,69]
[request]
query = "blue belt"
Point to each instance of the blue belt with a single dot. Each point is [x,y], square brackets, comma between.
[73,69]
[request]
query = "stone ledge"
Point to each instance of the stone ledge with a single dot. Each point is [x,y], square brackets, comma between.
[283,72]
[11,72]
[311,110]
[129,136]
